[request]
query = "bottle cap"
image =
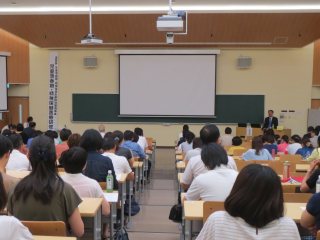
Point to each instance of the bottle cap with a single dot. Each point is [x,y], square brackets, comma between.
[109,171]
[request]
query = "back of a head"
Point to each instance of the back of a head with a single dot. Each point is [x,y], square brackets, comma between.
[20,127]
[189,137]
[213,155]
[256,196]
[257,144]
[138,131]
[65,134]
[269,139]
[74,159]
[317,128]
[91,140]
[108,144]
[310,128]
[3,194]
[197,143]
[209,134]
[269,131]
[305,142]
[316,132]
[108,135]
[29,119]
[16,140]
[6,133]
[285,138]
[101,128]
[185,128]
[128,135]
[50,134]
[5,145]
[118,137]
[236,141]
[228,130]
[135,138]
[74,140]
[32,124]
[296,138]
[319,141]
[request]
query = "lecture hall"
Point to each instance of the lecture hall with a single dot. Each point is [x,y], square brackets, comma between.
[163,119]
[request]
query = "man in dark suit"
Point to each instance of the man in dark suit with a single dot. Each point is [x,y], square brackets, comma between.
[270,121]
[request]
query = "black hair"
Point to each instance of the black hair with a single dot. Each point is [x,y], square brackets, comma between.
[3,194]
[296,138]
[209,134]
[20,127]
[91,140]
[29,119]
[108,144]
[285,138]
[189,137]
[138,131]
[317,128]
[74,140]
[269,131]
[319,141]
[43,181]
[32,124]
[50,134]
[108,135]
[257,144]
[213,155]
[304,141]
[236,141]
[185,127]
[5,145]
[135,138]
[74,159]
[6,132]
[228,130]
[316,132]
[270,110]
[128,135]
[310,128]
[118,137]
[256,196]
[16,140]
[64,134]
[197,143]
[269,138]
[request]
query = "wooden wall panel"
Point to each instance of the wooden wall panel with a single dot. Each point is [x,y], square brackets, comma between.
[13,105]
[315,103]
[316,64]
[18,62]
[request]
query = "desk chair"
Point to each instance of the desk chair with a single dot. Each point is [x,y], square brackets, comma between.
[46,228]
[239,152]
[290,188]
[241,163]
[211,207]
[290,158]
[297,197]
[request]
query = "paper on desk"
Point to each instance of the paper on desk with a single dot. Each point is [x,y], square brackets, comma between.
[303,208]
[111,197]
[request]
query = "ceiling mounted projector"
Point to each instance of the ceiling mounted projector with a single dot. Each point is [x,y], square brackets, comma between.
[170,23]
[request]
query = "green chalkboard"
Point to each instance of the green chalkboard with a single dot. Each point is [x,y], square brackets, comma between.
[106,108]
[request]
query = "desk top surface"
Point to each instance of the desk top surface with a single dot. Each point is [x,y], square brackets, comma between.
[123,178]
[89,206]
[53,238]
[179,157]
[302,167]
[22,174]
[181,165]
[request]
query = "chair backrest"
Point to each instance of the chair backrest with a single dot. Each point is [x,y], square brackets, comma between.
[241,163]
[211,207]
[46,228]
[290,158]
[289,188]
[239,152]
[297,197]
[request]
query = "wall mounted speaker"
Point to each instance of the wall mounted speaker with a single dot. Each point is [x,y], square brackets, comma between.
[90,62]
[244,62]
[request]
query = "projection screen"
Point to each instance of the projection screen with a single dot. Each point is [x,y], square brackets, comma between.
[3,84]
[168,85]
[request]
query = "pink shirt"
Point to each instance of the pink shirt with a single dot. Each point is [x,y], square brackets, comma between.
[282,147]
[61,148]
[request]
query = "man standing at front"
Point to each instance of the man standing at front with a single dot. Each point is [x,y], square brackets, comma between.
[270,121]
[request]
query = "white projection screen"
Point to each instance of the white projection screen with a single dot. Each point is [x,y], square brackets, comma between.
[3,84]
[168,85]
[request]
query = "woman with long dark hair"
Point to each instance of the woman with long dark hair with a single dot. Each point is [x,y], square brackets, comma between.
[257,152]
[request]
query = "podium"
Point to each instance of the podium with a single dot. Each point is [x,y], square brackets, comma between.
[241,131]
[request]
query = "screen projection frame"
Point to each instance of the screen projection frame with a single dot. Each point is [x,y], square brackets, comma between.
[4,107]
[214,54]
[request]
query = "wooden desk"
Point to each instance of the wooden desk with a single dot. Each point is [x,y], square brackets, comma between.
[241,131]
[180,166]
[193,211]
[302,167]
[123,194]
[53,238]
[112,198]
[91,208]
[179,157]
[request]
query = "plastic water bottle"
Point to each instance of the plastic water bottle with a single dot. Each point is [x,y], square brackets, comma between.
[286,170]
[109,181]
[318,185]
[248,130]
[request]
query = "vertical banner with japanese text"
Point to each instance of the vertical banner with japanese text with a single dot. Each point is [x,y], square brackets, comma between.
[53,91]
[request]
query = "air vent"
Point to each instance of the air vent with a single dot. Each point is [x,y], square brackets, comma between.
[90,62]
[280,40]
[244,62]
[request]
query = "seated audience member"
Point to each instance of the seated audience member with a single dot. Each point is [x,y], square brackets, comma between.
[294,144]
[35,134]
[102,130]
[19,128]
[42,195]
[143,143]
[310,217]
[269,144]
[208,134]
[183,137]
[257,152]
[226,140]
[306,149]
[310,179]
[253,210]
[121,151]
[185,128]
[310,129]
[314,138]
[217,182]
[134,147]
[64,135]
[135,139]
[27,123]
[17,160]
[50,134]
[120,163]
[318,129]
[187,145]
[74,140]
[236,145]
[5,150]
[315,153]
[283,145]
[30,130]
[277,139]
[196,151]
[6,133]
[74,160]
[97,165]
[11,228]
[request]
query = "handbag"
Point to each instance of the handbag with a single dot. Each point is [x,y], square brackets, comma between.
[135,208]
[176,211]
[121,234]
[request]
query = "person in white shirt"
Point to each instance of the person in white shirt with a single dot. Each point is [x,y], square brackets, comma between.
[314,138]
[294,144]
[187,145]
[217,182]
[11,227]
[17,160]
[102,130]
[74,161]
[196,151]
[185,128]
[226,140]
[142,141]
[253,210]
[120,163]
[208,134]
